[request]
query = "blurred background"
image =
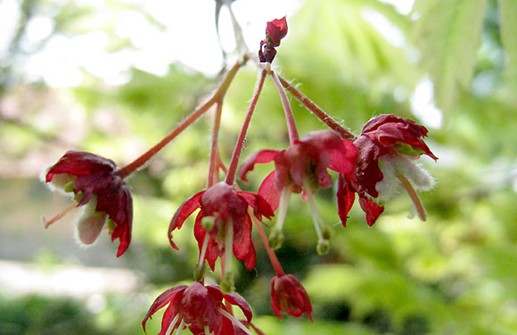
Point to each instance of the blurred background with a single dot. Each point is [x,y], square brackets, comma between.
[113,77]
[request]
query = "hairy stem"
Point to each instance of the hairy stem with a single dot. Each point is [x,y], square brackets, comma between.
[230,176]
[288,111]
[270,252]
[317,111]
[199,111]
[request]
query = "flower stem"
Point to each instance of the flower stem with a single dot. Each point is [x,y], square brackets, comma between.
[230,176]
[213,167]
[270,252]
[317,111]
[288,111]
[199,111]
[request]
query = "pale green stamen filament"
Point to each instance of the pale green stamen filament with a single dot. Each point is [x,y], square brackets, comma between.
[316,219]
[203,250]
[180,327]
[228,246]
[60,215]
[235,321]
[413,195]
[323,236]
[173,323]
[276,237]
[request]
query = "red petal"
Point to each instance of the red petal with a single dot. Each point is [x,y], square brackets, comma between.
[243,247]
[236,299]
[79,163]
[372,210]
[162,300]
[212,251]
[259,157]
[343,160]
[260,206]
[345,199]
[185,210]
[269,191]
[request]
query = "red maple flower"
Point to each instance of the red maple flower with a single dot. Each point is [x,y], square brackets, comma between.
[203,309]
[95,183]
[289,296]
[223,215]
[387,148]
[303,166]
[275,31]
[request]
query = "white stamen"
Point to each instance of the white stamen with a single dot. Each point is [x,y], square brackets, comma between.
[203,250]
[235,321]
[60,215]
[228,246]
[173,323]
[316,219]
[180,327]
[282,208]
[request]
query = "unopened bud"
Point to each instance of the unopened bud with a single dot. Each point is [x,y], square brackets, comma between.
[276,239]
[325,232]
[228,284]
[323,247]
[208,223]
[199,272]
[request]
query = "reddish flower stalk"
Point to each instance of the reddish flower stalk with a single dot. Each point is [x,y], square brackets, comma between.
[317,111]
[214,161]
[279,271]
[198,112]
[230,176]
[288,111]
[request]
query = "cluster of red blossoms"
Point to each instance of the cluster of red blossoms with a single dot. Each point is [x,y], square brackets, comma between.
[373,166]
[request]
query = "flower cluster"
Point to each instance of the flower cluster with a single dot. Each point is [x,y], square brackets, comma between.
[373,166]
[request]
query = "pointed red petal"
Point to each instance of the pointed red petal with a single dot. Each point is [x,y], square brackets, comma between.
[236,299]
[259,157]
[345,199]
[185,210]
[162,300]
[269,191]
[372,210]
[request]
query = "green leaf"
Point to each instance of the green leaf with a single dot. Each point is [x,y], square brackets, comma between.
[448,34]
[508,15]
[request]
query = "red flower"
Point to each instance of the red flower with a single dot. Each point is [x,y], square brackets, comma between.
[222,207]
[203,309]
[275,31]
[289,296]
[387,148]
[303,166]
[94,182]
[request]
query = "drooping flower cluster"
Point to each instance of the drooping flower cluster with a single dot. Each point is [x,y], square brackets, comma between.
[373,165]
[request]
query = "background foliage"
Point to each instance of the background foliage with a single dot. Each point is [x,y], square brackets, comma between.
[454,274]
